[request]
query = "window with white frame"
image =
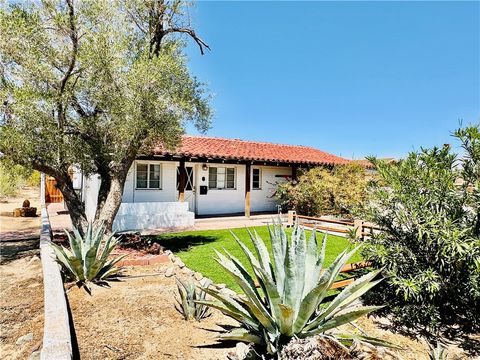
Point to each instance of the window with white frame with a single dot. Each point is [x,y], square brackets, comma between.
[148,175]
[221,177]
[256,179]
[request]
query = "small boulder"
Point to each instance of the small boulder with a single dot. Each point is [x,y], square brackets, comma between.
[35,355]
[170,272]
[198,276]
[180,263]
[205,282]
[187,271]
[24,339]
[26,203]
[220,286]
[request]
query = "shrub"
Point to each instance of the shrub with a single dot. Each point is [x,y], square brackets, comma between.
[428,205]
[87,260]
[294,286]
[12,178]
[187,304]
[322,191]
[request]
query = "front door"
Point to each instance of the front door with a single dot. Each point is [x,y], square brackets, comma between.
[189,186]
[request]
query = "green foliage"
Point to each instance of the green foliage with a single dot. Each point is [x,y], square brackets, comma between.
[87,260]
[94,83]
[13,177]
[428,205]
[322,191]
[294,285]
[187,304]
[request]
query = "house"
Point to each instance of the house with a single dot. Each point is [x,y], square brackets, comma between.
[205,176]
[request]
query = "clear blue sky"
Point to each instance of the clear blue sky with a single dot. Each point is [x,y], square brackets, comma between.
[350,78]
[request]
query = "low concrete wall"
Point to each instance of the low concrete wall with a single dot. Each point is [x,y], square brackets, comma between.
[57,340]
[153,215]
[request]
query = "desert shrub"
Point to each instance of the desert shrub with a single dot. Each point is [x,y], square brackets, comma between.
[321,191]
[34,178]
[187,298]
[294,285]
[428,205]
[87,261]
[12,178]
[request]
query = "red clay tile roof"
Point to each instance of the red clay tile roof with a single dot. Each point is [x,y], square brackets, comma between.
[235,149]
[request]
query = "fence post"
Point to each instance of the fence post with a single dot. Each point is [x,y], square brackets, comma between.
[358,226]
[290,219]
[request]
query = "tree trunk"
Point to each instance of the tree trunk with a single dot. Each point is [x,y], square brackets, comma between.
[75,206]
[107,213]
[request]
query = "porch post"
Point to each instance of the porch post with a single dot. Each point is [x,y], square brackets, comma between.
[247,189]
[294,173]
[181,181]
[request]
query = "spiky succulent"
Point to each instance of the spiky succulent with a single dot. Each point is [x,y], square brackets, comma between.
[437,352]
[187,298]
[293,288]
[87,260]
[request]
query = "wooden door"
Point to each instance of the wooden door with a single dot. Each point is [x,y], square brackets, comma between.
[52,193]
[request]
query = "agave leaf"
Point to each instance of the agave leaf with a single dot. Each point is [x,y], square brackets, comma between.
[351,292]
[262,252]
[286,323]
[367,339]
[278,258]
[300,253]
[62,258]
[290,287]
[244,280]
[242,335]
[343,319]
[77,251]
[310,263]
[310,304]
[227,311]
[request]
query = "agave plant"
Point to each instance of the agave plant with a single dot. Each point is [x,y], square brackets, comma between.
[187,304]
[293,288]
[87,259]
[437,352]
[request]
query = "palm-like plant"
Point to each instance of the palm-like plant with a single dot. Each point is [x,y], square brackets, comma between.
[187,304]
[293,286]
[87,260]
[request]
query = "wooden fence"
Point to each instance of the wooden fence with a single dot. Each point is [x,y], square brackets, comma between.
[362,228]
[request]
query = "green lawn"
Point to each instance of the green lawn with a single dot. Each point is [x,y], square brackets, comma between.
[196,249]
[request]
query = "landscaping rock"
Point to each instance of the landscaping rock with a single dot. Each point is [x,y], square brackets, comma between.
[167,252]
[228,292]
[220,286]
[35,355]
[205,282]
[170,272]
[24,339]
[180,264]
[187,271]
[34,260]
[198,276]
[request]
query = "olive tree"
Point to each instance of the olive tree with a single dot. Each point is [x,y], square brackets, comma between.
[95,83]
[429,206]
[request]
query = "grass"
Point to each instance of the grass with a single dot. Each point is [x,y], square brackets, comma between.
[196,249]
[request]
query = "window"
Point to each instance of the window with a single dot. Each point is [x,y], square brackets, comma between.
[257,180]
[221,178]
[148,176]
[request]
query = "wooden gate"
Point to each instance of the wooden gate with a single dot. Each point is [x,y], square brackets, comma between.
[52,194]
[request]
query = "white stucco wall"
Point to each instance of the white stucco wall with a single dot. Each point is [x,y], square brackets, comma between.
[262,199]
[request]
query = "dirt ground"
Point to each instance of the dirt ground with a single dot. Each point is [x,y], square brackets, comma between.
[19,227]
[21,306]
[136,319]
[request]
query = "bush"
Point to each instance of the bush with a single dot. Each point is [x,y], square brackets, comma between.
[428,205]
[321,191]
[13,177]
[291,301]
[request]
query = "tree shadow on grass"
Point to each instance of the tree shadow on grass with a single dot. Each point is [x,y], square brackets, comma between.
[183,242]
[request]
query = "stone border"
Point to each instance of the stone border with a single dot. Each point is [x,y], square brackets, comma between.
[178,265]
[140,261]
[57,339]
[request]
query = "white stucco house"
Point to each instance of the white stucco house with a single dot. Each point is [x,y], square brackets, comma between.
[204,176]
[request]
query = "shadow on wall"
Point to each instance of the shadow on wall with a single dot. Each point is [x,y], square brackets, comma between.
[176,243]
